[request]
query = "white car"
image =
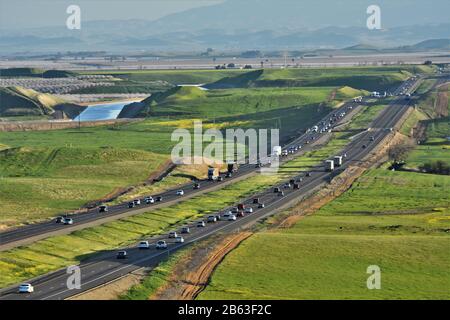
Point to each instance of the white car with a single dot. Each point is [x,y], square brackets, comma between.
[149,200]
[232,218]
[227,214]
[179,239]
[137,202]
[249,210]
[144,245]
[180,193]
[161,244]
[68,221]
[26,288]
[172,234]
[201,224]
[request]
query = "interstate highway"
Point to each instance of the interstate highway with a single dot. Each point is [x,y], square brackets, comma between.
[105,267]
[30,233]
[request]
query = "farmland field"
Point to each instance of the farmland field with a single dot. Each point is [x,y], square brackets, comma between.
[379,221]
[62,170]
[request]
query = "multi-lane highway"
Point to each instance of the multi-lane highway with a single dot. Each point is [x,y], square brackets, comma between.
[106,267]
[33,232]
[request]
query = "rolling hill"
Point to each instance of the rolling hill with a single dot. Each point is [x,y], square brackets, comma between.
[18,101]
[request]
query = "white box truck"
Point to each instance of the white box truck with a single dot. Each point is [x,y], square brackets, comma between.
[338,161]
[277,151]
[329,165]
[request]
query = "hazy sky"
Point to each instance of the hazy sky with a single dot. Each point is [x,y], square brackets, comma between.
[18,14]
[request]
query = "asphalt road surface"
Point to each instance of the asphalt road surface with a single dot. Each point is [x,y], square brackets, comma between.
[33,232]
[105,267]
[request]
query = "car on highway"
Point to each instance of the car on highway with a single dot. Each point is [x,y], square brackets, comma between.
[240,214]
[372,138]
[144,245]
[103,208]
[59,219]
[131,204]
[211,219]
[201,224]
[255,200]
[281,194]
[232,217]
[219,178]
[276,190]
[228,175]
[234,210]
[137,202]
[158,198]
[149,200]
[161,244]
[172,234]
[26,288]
[249,210]
[227,214]
[180,193]
[261,205]
[121,254]
[185,230]
[308,174]
[68,221]
[196,186]
[364,146]
[296,186]
[179,239]
[287,185]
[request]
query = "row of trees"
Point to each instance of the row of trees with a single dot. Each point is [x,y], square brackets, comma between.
[436,167]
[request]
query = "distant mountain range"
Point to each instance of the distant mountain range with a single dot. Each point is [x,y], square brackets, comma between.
[251,24]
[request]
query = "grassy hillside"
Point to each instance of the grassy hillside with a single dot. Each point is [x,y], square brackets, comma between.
[398,221]
[35,72]
[367,78]
[18,101]
[61,179]
[21,72]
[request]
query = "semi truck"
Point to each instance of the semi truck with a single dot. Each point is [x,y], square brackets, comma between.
[277,151]
[212,174]
[329,165]
[338,161]
[232,167]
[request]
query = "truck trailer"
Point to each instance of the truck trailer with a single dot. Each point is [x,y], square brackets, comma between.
[338,161]
[329,165]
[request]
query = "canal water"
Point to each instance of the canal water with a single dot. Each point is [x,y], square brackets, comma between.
[105,111]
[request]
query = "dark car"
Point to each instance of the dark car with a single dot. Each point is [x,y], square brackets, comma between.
[308,174]
[131,204]
[228,175]
[121,255]
[281,194]
[256,200]
[59,219]
[364,146]
[296,186]
[158,198]
[103,209]
[276,190]
[219,178]
[261,205]
[196,186]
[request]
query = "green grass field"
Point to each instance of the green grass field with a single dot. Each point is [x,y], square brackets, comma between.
[61,170]
[59,251]
[329,252]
